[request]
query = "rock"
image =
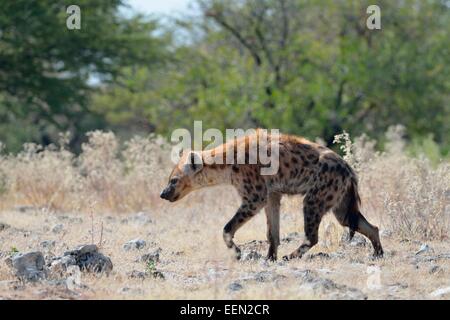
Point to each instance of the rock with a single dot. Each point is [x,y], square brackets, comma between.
[29,266]
[440,292]
[431,258]
[73,280]
[319,255]
[357,240]
[396,288]
[135,274]
[48,244]
[235,286]
[423,248]
[60,265]
[25,209]
[86,257]
[316,285]
[293,236]
[134,244]
[157,274]
[435,269]
[128,290]
[267,276]
[58,228]
[252,255]
[152,257]
[3,226]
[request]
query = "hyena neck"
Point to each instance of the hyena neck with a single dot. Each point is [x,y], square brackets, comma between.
[214,173]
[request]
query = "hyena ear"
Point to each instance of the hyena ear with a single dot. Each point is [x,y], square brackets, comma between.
[194,163]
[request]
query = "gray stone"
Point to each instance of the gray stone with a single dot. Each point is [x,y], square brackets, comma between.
[423,248]
[235,286]
[25,209]
[267,276]
[3,226]
[135,274]
[152,257]
[134,244]
[60,265]
[133,291]
[357,240]
[29,266]
[440,292]
[157,275]
[48,244]
[315,284]
[293,236]
[58,228]
[86,257]
[435,269]
[252,255]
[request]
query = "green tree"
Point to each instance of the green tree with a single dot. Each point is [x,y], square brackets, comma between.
[46,70]
[306,67]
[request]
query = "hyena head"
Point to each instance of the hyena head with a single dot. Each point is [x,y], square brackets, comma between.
[185,177]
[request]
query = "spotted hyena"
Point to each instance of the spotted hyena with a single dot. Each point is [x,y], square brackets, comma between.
[305,168]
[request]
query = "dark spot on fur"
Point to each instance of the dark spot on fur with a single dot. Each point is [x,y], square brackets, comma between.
[235,168]
[294,160]
[258,187]
[329,197]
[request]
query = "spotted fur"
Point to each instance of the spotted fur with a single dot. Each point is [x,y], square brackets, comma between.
[325,180]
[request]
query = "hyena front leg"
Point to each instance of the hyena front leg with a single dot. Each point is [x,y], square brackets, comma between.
[273,224]
[312,217]
[245,212]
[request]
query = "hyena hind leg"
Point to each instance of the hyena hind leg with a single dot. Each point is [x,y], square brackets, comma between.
[356,222]
[312,217]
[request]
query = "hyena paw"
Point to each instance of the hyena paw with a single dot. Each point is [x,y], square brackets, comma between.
[238,253]
[293,255]
[377,254]
[271,257]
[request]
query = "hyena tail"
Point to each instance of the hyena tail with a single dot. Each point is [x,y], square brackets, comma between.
[347,212]
[354,201]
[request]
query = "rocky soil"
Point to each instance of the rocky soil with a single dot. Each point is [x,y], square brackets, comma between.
[51,255]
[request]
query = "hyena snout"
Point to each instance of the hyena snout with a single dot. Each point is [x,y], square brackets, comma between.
[168,193]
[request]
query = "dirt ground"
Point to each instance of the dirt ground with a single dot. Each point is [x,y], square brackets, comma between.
[195,264]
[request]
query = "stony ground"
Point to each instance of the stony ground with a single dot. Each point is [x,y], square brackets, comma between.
[176,252]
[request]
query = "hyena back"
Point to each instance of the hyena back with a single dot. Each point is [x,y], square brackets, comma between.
[306,168]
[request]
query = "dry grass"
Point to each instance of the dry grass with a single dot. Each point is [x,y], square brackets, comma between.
[108,184]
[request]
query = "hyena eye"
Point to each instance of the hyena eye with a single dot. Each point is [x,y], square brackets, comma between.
[173,181]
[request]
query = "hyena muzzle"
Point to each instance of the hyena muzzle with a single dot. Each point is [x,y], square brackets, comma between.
[325,180]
